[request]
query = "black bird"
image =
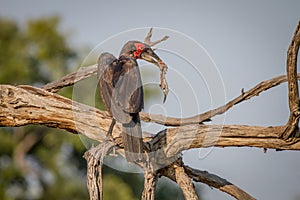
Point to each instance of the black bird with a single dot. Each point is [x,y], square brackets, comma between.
[122,92]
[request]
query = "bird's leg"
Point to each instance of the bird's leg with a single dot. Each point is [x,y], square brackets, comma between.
[111,127]
[110,137]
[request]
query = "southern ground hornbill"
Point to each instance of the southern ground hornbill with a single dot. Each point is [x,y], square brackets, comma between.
[122,92]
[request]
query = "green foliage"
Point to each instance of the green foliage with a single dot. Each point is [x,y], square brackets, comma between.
[115,188]
[37,54]
[38,162]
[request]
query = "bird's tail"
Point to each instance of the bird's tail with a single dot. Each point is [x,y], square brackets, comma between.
[132,139]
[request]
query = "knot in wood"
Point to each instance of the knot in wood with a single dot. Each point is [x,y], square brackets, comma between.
[6,95]
[296,112]
[10,93]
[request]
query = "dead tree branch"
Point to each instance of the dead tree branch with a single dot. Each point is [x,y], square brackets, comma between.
[217,182]
[94,158]
[148,39]
[85,72]
[150,178]
[22,105]
[184,181]
[206,178]
[28,105]
[291,67]
[71,79]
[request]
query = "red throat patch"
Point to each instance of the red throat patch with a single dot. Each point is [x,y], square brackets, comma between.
[139,49]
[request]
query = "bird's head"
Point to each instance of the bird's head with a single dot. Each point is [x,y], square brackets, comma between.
[140,50]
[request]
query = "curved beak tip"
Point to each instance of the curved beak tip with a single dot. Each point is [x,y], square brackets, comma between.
[165,97]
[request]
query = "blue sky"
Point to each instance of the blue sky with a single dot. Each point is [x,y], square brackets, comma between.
[244,41]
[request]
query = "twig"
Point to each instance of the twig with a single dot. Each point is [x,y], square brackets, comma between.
[71,79]
[148,39]
[291,67]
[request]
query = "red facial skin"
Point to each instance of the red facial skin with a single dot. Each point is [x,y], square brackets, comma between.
[139,49]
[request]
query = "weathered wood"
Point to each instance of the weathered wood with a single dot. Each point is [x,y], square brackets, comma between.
[22,105]
[175,140]
[95,157]
[70,79]
[184,181]
[217,182]
[197,119]
[205,177]
[150,180]
[293,91]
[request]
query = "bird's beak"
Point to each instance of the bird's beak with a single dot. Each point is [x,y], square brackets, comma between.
[151,57]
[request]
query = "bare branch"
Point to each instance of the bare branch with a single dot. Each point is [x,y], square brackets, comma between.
[148,39]
[172,121]
[24,105]
[217,182]
[291,68]
[175,140]
[94,158]
[71,79]
[197,119]
[206,178]
[150,178]
[184,182]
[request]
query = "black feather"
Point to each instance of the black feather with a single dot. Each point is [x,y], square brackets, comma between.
[122,92]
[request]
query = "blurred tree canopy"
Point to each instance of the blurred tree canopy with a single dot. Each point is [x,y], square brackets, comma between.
[38,162]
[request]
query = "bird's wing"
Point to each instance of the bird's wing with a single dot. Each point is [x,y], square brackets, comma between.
[128,92]
[106,65]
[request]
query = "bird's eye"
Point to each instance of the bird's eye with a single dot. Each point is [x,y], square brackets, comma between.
[139,46]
